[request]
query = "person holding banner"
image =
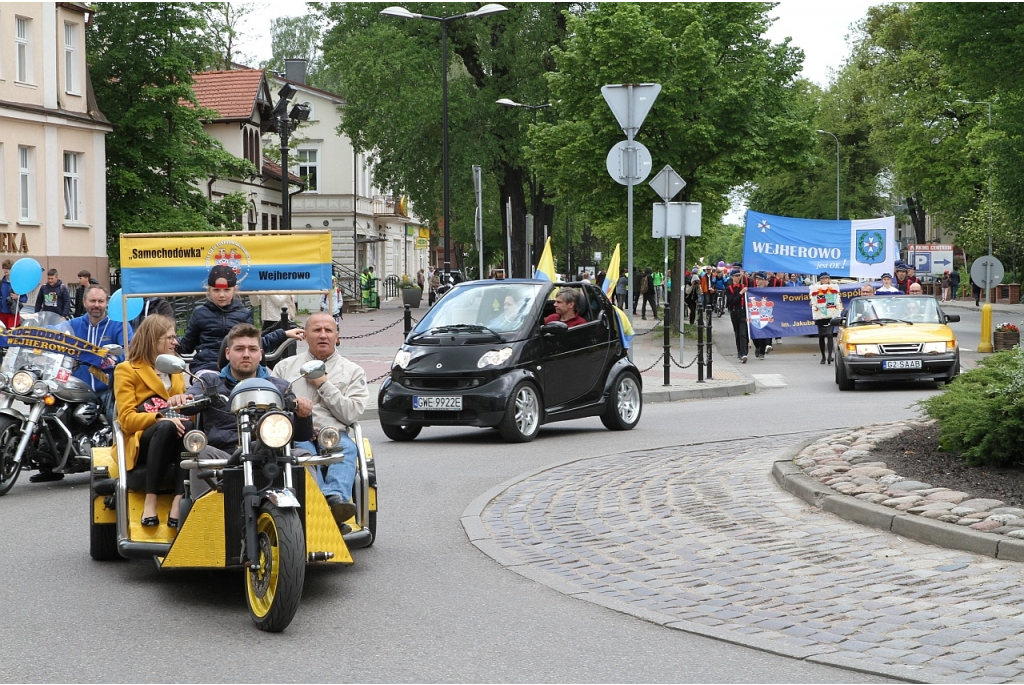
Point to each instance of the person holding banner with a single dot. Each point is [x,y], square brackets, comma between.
[826,303]
[735,301]
[761,345]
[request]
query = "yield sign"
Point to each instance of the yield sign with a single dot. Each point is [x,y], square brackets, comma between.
[667,183]
[630,103]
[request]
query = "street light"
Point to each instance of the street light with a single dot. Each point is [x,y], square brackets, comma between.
[988,274]
[837,169]
[403,13]
[285,124]
[533,175]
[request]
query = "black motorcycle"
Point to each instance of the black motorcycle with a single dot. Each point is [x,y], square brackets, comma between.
[49,419]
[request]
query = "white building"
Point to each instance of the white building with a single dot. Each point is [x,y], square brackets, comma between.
[52,142]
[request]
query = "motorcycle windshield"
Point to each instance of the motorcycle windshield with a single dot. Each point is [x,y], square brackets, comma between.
[51,365]
[50,320]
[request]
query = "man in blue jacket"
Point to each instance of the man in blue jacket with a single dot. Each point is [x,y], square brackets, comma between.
[97,328]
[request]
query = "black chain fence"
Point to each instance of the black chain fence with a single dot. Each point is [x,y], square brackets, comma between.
[367,335]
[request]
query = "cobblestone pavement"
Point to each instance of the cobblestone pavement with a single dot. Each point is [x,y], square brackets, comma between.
[699,538]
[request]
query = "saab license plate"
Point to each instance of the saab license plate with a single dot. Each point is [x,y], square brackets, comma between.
[902,364]
[436,403]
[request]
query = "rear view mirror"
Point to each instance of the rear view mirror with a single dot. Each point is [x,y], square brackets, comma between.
[838,321]
[312,370]
[952,318]
[169,364]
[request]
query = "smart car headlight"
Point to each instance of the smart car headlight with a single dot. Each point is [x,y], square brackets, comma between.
[402,359]
[22,382]
[194,441]
[329,437]
[938,347]
[275,429]
[866,349]
[494,357]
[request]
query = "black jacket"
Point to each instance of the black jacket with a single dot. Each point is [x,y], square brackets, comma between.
[221,426]
[209,326]
[54,298]
[80,297]
[734,296]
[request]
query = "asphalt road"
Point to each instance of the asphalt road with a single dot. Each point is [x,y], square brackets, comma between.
[423,604]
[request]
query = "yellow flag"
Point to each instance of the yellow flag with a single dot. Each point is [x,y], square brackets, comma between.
[546,264]
[611,276]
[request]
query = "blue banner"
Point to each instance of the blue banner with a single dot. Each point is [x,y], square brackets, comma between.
[864,248]
[781,312]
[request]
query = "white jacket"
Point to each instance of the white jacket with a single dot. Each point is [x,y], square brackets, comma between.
[340,400]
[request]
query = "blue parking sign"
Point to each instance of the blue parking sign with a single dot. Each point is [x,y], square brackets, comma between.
[923,262]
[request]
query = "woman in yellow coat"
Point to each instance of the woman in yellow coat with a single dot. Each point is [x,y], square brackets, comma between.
[151,439]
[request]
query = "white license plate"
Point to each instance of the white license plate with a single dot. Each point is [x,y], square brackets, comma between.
[902,364]
[436,403]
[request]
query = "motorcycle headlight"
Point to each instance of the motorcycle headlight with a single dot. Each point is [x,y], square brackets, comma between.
[194,441]
[275,429]
[402,359]
[329,438]
[40,388]
[494,357]
[22,382]
[866,349]
[938,347]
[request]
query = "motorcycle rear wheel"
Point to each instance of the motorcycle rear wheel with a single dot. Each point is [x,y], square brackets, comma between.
[273,592]
[10,429]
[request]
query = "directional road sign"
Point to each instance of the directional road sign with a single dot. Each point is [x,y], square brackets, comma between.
[933,259]
[980,274]
[667,183]
[629,162]
[630,103]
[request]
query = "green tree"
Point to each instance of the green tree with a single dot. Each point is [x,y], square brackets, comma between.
[388,70]
[141,56]
[297,38]
[725,110]
[222,27]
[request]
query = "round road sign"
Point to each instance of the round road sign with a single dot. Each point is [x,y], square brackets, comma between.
[979,270]
[629,166]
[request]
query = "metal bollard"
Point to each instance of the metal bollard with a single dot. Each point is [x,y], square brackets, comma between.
[708,343]
[667,323]
[408,319]
[700,344]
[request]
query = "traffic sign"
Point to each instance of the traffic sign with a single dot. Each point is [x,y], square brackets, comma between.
[630,103]
[980,274]
[667,183]
[629,162]
[932,259]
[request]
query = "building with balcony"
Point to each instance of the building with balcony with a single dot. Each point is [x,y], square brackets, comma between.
[52,141]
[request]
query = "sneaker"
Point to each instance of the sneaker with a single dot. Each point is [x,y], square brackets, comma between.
[45,477]
[743,359]
[767,349]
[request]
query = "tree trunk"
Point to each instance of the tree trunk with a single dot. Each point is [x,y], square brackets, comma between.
[917,217]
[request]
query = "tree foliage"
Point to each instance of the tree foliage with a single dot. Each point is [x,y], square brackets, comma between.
[389,71]
[141,56]
[297,38]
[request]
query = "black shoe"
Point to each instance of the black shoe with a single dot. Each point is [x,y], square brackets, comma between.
[822,360]
[830,360]
[643,318]
[45,477]
[150,521]
[340,509]
[172,522]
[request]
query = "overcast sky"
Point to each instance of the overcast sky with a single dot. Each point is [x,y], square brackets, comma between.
[820,28]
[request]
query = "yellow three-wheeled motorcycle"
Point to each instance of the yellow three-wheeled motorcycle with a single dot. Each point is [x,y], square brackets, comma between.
[259,510]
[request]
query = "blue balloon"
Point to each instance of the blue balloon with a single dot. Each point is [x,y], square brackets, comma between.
[135,305]
[26,274]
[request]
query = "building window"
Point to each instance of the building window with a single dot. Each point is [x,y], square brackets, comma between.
[273,222]
[266,220]
[309,165]
[69,59]
[72,196]
[22,54]
[25,182]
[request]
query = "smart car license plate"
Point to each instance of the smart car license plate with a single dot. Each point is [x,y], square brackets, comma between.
[902,364]
[436,403]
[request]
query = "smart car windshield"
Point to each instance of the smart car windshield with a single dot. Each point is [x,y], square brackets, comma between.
[499,307]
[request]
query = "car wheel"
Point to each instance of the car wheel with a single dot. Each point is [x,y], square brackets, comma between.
[400,433]
[842,381]
[625,404]
[522,414]
[956,372]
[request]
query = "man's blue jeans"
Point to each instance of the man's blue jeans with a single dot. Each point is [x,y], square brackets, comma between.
[341,476]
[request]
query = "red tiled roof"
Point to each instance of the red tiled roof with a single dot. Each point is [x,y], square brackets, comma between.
[232,94]
[273,170]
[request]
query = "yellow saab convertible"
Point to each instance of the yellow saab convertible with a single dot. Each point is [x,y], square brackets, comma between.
[895,337]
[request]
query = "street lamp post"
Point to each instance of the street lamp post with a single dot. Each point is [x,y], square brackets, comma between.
[285,124]
[533,174]
[444,21]
[988,272]
[837,169]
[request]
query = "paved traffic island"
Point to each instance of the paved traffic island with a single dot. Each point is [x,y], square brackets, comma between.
[699,538]
[839,474]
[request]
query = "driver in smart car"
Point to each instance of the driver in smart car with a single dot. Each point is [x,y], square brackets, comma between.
[566,304]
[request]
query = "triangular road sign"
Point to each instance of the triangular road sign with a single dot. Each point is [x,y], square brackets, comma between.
[619,96]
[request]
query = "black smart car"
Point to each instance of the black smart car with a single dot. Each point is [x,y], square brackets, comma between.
[483,356]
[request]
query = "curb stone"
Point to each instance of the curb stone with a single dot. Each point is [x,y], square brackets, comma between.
[791,477]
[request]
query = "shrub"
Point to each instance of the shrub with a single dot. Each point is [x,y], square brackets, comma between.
[981,413]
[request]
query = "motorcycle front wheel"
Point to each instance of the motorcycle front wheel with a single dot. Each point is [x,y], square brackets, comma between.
[10,430]
[273,592]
